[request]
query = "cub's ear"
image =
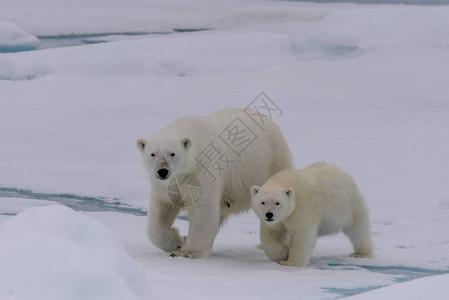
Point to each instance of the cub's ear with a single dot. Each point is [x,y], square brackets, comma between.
[186,143]
[254,190]
[289,192]
[141,144]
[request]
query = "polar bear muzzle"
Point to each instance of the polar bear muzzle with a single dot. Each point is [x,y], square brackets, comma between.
[269,217]
[163,173]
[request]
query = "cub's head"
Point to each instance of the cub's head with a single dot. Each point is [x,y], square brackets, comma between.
[165,157]
[272,204]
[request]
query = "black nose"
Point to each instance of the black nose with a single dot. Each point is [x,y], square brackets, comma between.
[269,215]
[163,173]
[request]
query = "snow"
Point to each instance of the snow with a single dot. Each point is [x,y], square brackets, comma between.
[400,26]
[361,86]
[50,18]
[424,288]
[13,205]
[16,70]
[13,36]
[53,252]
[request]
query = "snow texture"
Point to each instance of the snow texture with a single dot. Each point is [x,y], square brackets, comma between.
[16,69]
[361,86]
[54,253]
[14,37]
[424,288]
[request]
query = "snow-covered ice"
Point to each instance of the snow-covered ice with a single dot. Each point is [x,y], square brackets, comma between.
[13,37]
[53,252]
[425,288]
[361,86]
[16,69]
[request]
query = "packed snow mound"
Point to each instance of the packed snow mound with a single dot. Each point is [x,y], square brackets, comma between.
[17,69]
[53,252]
[433,287]
[13,37]
[158,56]
[342,33]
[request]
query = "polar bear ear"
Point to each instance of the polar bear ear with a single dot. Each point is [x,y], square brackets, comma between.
[141,144]
[186,142]
[289,192]
[254,190]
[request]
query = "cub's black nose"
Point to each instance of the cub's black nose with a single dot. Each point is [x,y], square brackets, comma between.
[163,173]
[269,216]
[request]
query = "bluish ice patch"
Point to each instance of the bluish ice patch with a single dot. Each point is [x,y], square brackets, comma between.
[411,272]
[79,203]
[341,293]
[318,50]
[7,214]
[58,41]
[400,273]
[10,49]
[67,41]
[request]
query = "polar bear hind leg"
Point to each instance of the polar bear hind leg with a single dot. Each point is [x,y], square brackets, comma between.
[360,236]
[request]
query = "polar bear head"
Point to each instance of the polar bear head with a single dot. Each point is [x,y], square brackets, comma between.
[165,157]
[273,204]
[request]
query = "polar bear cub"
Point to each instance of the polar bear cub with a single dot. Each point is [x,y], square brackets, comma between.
[299,205]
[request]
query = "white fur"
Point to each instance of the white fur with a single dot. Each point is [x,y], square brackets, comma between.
[228,194]
[318,200]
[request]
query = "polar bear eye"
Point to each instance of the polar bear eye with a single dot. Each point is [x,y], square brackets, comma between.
[277,203]
[263,203]
[153,155]
[172,154]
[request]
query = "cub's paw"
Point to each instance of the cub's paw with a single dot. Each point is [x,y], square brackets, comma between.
[360,255]
[187,254]
[289,263]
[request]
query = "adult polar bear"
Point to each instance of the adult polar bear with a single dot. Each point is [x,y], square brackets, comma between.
[226,152]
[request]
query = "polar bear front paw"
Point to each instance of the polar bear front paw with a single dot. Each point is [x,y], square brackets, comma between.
[187,254]
[172,245]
